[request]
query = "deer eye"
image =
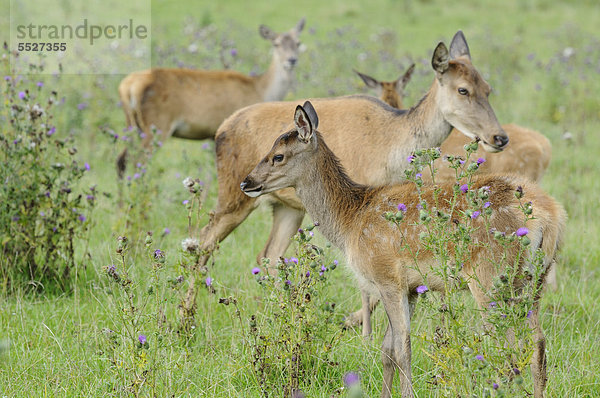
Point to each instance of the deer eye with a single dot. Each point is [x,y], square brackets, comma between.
[277,158]
[463,91]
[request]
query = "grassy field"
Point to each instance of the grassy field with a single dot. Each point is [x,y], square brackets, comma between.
[542,58]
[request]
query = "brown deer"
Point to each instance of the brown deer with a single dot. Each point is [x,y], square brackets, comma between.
[528,154]
[191,104]
[371,138]
[350,216]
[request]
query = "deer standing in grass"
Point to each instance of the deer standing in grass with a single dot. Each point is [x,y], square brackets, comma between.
[528,154]
[350,216]
[191,104]
[371,138]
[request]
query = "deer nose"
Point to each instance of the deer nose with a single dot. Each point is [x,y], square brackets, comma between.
[244,184]
[501,140]
[292,61]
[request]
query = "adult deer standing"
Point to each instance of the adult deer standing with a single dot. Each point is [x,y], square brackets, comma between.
[191,104]
[351,217]
[371,138]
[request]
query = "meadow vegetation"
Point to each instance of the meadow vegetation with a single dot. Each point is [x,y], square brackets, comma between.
[111,324]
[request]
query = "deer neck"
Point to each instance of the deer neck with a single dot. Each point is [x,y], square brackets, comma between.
[329,196]
[428,126]
[274,84]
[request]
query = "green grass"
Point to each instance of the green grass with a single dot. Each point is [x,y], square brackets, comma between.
[55,340]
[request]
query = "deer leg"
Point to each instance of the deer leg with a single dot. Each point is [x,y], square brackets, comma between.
[357,317]
[397,308]
[286,222]
[551,277]
[538,361]
[366,314]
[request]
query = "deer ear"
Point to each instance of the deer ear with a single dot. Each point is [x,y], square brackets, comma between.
[266,32]
[300,26]
[369,81]
[407,75]
[440,59]
[459,47]
[303,125]
[312,114]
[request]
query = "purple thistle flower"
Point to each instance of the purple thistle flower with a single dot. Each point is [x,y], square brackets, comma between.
[255,270]
[166,231]
[205,145]
[422,289]
[40,84]
[82,106]
[418,175]
[479,357]
[90,197]
[480,161]
[54,229]
[461,161]
[159,143]
[158,254]
[142,339]
[185,202]
[493,304]
[294,260]
[495,386]
[7,78]
[233,52]
[136,176]
[410,159]
[323,268]
[464,188]
[208,281]
[402,207]
[529,313]
[486,205]
[475,214]
[307,274]
[82,218]
[335,262]
[350,379]
[180,279]
[516,371]
[47,194]
[22,95]
[87,166]
[522,231]
[16,218]
[288,282]
[42,214]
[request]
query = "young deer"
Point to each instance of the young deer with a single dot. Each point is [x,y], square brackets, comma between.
[371,138]
[528,154]
[191,104]
[350,216]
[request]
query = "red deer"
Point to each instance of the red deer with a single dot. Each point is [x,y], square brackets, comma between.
[350,216]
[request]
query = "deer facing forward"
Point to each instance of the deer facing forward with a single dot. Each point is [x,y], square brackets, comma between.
[350,217]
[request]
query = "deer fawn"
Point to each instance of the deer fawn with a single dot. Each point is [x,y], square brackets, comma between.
[528,154]
[191,104]
[350,216]
[371,138]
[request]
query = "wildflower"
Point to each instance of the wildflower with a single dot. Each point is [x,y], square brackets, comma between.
[255,270]
[516,371]
[40,84]
[418,175]
[136,176]
[208,281]
[464,188]
[335,262]
[475,214]
[138,165]
[294,260]
[42,214]
[288,282]
[480,161]
[82,218]
[486,205]
[188,182]
[159,254]
[22,95]
[529,313]
[190,245]
[7,78]
[522,231]
[142,339]
[410,159]
[351,379]
[233,52]
[519,192]
[493,304]
[422,289]
[323,269]
[461,161]
[185,202]
[82,106]
[87,166]
[166,231]
[206,145]
[402,207]
[479,357]
[495,386]
[307,274]
[180,279]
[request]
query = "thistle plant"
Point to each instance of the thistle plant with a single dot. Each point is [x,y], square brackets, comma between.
[43,208]
[469,357]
